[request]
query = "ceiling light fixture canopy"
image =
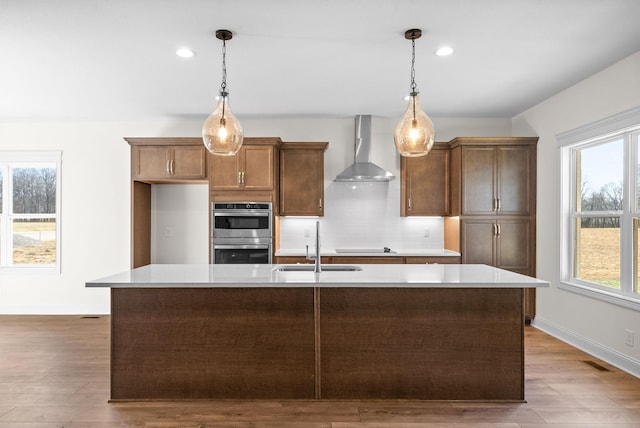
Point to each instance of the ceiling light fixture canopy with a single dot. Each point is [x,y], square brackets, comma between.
[414,135]
[221,132]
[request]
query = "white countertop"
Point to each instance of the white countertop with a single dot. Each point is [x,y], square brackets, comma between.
[387,275]
[369,252]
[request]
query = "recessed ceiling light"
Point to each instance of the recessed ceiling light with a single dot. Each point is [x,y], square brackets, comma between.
[185,53]
[444,51]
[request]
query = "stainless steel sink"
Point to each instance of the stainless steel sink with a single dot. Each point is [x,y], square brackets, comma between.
[309,268]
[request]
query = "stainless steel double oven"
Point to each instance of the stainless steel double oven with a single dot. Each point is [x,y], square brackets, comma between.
[241,232]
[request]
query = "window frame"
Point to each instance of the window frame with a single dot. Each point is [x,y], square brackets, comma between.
[10,159]
[625,126]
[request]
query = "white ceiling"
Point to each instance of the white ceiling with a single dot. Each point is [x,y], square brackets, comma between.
[115,59]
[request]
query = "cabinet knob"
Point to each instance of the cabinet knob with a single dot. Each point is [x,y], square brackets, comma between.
[409,204]
[320,203]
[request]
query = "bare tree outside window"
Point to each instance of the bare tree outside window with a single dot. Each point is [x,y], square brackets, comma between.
[609,198]
[34,190]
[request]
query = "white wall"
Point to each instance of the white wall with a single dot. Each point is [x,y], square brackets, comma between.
[180,223]
[591,324]
[95,217]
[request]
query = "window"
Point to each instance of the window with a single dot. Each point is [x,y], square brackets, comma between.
[600,209]
[30,209]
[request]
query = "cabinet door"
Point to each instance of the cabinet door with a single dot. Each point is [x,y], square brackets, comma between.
[478,241]
[224,172]
[426,182]
[514,180]
[188,162]
[257,167]
[478,180]
[302,182]
[150,162]
[506,244]
[252,168]
[514,245]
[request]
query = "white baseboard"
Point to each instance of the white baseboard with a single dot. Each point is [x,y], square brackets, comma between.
[54,310]
[613,357]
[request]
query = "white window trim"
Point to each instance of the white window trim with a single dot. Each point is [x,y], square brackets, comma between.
[622,123]
[36,157]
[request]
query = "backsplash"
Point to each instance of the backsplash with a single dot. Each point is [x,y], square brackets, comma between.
[363,215]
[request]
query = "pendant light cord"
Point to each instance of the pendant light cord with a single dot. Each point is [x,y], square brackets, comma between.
[223,86]
[413,65]
[413,77]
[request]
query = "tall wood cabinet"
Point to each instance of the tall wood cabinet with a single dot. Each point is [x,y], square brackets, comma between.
[493,196]
[424,183]
[302,178]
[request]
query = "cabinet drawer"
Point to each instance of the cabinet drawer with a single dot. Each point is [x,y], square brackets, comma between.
[439,260]
[366,260]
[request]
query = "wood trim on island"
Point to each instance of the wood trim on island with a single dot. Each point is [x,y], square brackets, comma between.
[322,343]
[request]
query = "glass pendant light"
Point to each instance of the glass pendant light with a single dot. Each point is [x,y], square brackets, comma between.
[221,132]
[414,135]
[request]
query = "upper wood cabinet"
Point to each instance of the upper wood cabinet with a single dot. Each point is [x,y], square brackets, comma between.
[302,178]
[254,167]
[493,176]
[167,159]
[424,183]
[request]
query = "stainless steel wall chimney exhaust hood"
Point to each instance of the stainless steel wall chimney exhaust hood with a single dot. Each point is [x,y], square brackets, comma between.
[363,169]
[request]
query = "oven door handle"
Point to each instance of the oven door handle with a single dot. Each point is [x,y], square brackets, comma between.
[240,246]
[242,214]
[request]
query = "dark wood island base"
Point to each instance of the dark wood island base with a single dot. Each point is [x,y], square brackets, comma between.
[323,343]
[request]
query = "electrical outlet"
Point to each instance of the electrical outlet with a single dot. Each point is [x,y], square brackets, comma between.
[307,234]
[427,233]
[628,337]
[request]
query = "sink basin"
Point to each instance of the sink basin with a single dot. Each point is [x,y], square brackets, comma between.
[309,268]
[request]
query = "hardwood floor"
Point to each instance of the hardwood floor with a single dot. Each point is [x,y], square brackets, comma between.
[54,372]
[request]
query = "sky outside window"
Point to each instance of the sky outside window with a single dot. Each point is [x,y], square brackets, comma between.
[601,165]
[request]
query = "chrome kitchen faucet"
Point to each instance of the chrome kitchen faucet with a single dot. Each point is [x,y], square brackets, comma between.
[318,267]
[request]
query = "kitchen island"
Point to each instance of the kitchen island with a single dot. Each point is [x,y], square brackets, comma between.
[431,332]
